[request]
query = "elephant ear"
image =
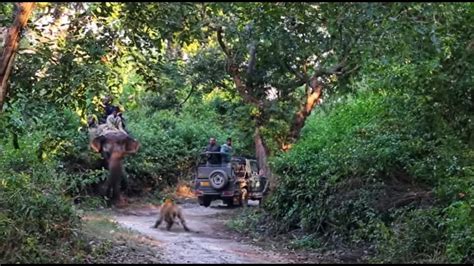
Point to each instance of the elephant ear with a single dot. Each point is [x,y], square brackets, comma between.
[96,143]
[131,146]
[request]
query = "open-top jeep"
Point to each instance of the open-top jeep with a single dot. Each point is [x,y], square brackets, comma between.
[233,180]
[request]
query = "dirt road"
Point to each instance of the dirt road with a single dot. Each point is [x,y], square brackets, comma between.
[207,243]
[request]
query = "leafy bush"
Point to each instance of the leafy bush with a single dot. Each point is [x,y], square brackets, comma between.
[38,220]
[376,167]
[35,216]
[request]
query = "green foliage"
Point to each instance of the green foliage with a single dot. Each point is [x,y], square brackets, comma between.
[249,221]
[35,215]
[292,41]
[306,241]
[429,235]
[459,225]
[416,236]
[364,158]
[38,220]
[391,163]
[170,143]
[6,13]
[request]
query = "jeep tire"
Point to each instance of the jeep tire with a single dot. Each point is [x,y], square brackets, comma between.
[204,201]
[229,202]
[218,179]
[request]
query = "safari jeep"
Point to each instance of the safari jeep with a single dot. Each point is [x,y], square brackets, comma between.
[234,181]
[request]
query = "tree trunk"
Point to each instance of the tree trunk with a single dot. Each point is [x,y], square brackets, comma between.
[261,152]
[12,41]
[312,98]
[242,87]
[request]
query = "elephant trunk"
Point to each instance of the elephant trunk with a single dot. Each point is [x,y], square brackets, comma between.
[115,167]
[115,176]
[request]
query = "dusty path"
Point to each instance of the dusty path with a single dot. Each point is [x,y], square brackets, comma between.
[208,243]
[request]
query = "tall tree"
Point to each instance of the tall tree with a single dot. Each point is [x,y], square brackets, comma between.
[22,14]
[281,57]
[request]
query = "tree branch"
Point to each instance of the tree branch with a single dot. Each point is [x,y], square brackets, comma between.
[301,77]
[252,59]
[233,70]
[189,95]
[290,85]
[336,69]
[313,95]
[221,42]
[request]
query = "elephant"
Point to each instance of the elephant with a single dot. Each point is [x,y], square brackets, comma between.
[114,146]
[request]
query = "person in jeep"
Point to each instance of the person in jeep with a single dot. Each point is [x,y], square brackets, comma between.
[227,148]
[213,147]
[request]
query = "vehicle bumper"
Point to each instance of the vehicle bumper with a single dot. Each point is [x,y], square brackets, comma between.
[208,192]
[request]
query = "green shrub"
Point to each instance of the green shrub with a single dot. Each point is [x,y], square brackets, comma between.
[36,216]
[415,236]
[459,224]
[379,168]
[38,221]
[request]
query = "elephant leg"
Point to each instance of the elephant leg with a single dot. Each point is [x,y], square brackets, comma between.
[104,164]
[109,191]
[106,191]
[104,188]
[124,183]
[116,190]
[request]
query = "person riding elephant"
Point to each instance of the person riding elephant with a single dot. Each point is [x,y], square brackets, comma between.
[108,108]
[114,121]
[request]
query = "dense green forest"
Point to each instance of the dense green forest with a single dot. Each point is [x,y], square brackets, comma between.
[361,114]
